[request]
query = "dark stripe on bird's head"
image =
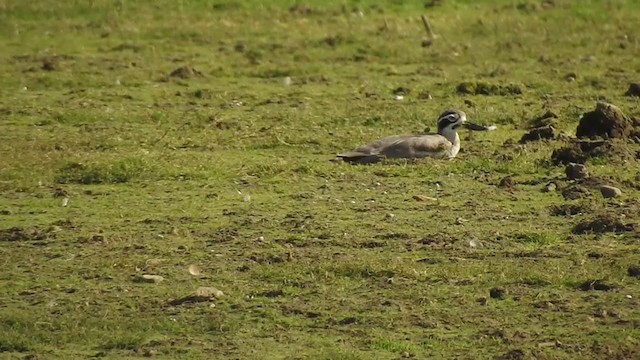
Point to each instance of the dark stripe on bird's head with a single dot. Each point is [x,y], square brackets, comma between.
[447,118]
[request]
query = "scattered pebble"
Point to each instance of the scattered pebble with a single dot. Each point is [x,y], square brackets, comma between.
[550,187]
[610,191]
[576,171]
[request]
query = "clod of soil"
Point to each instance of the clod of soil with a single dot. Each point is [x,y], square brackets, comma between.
[183,72]
[49,65]
[634,270]
[606,121]
[598,285]
[539,133]
[634,90]
[497,293]
[576,171]
[568,209]
[581,150]
[544,119]
[401,91]
[348,321]
[515,354]
[507,182]
[575,192]
[481,88]
[610,191]
[300,9]
[603,223]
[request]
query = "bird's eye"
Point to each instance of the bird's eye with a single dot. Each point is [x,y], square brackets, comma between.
[451,118]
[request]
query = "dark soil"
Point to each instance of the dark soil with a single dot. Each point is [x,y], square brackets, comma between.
[545,119]
[580,151]
[603,223]
[20,234]
[598,285]
[606,121]
[539,133]
[574,192]
[634,90]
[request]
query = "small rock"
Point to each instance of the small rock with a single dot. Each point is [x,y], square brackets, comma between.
[148,279]
[497,293]
[634,270]
[610,191]
[194,270]
[475,243]
[482,300]
[576,171]
[550,187]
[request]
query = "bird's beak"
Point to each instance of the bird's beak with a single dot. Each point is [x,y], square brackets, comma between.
[476,127]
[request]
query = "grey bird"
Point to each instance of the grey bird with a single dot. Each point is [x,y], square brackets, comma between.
[443,145]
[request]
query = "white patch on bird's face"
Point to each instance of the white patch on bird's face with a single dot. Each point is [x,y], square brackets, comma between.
[451,121]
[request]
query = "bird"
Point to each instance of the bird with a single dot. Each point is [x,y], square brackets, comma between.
[443,145]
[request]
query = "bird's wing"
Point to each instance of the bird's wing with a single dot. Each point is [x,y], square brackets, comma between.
[416,146]
[400,146]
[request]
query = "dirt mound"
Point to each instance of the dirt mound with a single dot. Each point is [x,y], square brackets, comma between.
[580,151]
[606,121]
[539,133]
[603,223]
[183,72]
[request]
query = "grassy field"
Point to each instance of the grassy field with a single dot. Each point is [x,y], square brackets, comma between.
[148,137]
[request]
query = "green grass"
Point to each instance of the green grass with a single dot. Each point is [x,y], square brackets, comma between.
[227,168]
